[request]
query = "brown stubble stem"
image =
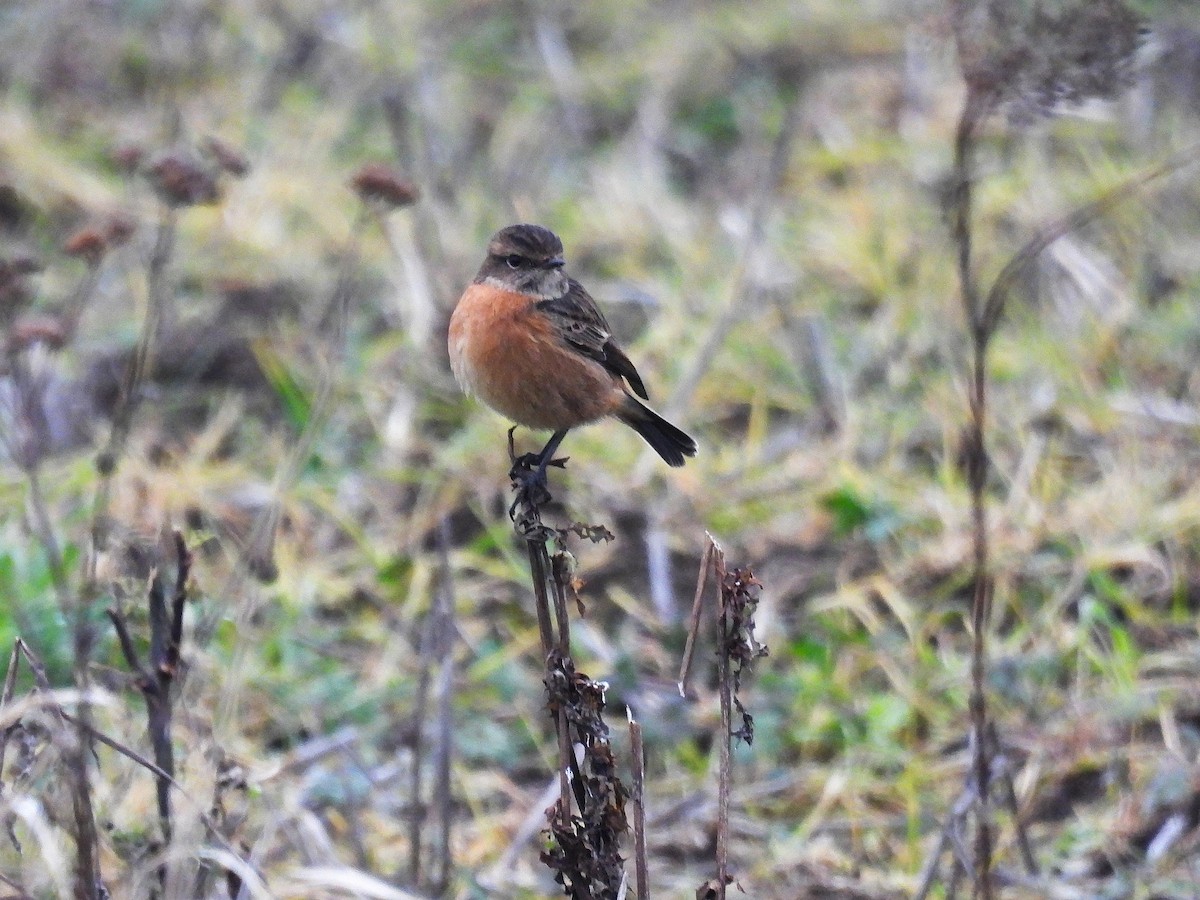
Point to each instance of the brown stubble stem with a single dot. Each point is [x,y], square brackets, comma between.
[86,863]
[976,107]
[689,648]
[110,456]
[539,569]
[155,680]
[555,647]
[638,751]
[983,317]
[436,648]
[426,654]
[725,686]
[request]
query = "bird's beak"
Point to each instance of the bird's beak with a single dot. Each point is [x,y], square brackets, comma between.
[556,262]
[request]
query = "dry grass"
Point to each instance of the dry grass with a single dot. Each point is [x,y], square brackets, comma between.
[755,197]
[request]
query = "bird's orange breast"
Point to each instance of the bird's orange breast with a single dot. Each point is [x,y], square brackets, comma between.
[507,353]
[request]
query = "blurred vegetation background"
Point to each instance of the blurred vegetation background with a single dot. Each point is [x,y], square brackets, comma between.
[754,193]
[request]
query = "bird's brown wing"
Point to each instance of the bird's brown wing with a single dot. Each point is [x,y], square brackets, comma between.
[580,323]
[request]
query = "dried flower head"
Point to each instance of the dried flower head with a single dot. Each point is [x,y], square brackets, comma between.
[48,330]
[226,156]
[127,157]
[379,183]
[1035,55]
[182,180]
[88,244]
[119,229]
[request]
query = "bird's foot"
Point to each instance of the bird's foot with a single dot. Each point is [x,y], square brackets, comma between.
[529,489]
[529,481]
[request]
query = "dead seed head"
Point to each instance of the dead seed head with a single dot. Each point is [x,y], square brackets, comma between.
[50,331]
[127,157]
[227,157]
[1034,57]
[180,180]
[119,229]
[88,244]
[376,182]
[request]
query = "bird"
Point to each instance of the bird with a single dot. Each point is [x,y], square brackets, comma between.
[529,341]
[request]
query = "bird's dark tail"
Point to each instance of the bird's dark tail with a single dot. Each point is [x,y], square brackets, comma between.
[668,441]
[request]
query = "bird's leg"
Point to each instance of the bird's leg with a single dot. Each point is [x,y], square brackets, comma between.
[546,457]
[536,463]
[528,471]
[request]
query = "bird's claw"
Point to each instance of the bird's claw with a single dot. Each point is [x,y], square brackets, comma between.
[529,484]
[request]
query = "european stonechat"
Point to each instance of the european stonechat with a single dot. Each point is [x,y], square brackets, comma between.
[529,341]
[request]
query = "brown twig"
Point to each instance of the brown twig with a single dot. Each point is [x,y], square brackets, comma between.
[976,108]
[155,680]
[689,648]
[584,847]
[983,317]
[426,656]
[444,633]
[737,648]
[725,687]
[638,751]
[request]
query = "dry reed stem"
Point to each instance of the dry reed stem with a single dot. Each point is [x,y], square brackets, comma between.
[638,751]
[976,108]
[689,648]
[737,648]
[436,649]
[156,679]
[444,745]
[583,848]
[983,318]
[725,686]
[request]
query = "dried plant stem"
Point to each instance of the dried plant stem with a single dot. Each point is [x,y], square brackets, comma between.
[1002,769]
[689,648]
[416,822]
[983,314]
[976,107]
[155,680]
[640,866]
[436,649]
[725,687]
[540,575]
[335,319]
[443,759]
[583,849]
[737,648]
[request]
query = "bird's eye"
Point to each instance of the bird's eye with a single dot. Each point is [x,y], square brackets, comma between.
[514,261]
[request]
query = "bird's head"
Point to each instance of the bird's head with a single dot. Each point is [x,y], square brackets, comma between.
[527,259]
